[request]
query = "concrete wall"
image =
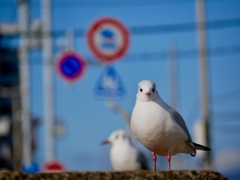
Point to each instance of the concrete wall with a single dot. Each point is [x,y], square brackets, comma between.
[184,174]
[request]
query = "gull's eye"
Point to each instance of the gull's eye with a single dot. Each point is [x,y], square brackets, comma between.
[116,137]
[153,90]
[140,89]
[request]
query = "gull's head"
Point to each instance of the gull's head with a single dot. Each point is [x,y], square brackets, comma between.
[118,136]
[147,91]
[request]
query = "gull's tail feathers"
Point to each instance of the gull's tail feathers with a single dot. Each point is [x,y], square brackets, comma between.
[201,147]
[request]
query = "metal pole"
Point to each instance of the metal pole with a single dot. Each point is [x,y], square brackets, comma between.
[47,78]
[24,81]
[16,131]
[173,75]
[70,39]
[173,81]
[203,75]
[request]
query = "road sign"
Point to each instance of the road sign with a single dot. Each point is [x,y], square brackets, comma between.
[70,65]
[109,84]
[53,166]
[108,39]
[31,168]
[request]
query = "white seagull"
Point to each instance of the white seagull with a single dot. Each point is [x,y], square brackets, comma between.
[160,128]
[124,156]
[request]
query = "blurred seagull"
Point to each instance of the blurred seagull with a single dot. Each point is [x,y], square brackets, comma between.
[160,128]
[124,156]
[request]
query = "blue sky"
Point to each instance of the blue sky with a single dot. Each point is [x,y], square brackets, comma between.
[88,120]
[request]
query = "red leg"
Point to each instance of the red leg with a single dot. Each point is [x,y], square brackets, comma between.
[169,161]
[154,157]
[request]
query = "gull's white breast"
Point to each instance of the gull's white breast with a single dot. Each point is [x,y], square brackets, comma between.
[124,157]
[154,127]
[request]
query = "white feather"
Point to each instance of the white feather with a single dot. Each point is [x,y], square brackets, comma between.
[155,125]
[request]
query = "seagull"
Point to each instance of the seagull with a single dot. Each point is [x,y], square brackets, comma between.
[124,156]
[160,128]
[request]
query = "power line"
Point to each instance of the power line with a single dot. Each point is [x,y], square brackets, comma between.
[158,56]
[183,27]
[166,28]
[115,4]
[229,96]
[226,129]
[57,4]
[228,115]
[150,29]
[183,55]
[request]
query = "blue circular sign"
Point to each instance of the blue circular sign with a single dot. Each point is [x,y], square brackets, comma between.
[70,66]
[31,168]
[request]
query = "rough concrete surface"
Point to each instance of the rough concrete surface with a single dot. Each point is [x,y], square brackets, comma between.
[181,174]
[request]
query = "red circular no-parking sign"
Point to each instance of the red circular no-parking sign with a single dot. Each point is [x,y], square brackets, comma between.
[53,166]
[108,39]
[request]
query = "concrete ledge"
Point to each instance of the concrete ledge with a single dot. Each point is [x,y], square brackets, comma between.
[136,175]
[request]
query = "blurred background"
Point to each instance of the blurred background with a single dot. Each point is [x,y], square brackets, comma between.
[69,72]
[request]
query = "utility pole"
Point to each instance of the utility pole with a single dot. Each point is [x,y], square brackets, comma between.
[48,81]
[24,81]
[203,77]
[173,75]
[173,81]
[70,39]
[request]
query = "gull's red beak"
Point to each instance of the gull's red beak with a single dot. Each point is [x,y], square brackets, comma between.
[106,142]
[147,94]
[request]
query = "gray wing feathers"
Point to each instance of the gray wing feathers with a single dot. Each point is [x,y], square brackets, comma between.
[182,124]
[178,118]
[192,147]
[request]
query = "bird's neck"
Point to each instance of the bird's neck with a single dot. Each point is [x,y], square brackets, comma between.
[121,145]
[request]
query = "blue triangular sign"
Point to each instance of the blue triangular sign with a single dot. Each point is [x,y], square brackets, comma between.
[109,84]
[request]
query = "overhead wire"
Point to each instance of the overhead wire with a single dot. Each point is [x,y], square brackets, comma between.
[226,97]
[184,54]
[62,4]
[228,115]
[160,29]
[147,29]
